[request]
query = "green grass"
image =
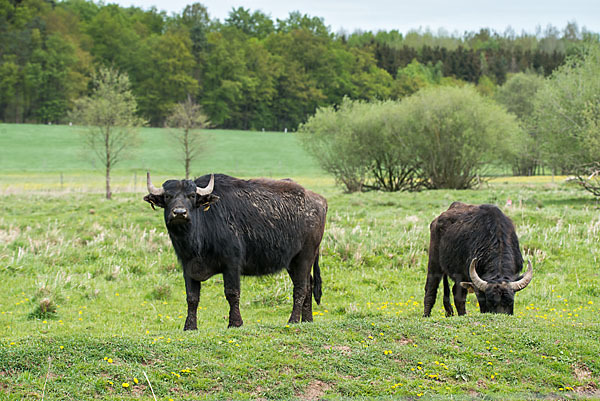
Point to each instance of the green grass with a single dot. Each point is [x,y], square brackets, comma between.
[109,270]
[34,157]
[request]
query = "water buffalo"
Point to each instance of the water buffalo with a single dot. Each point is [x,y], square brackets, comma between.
[223,225]
[476,246]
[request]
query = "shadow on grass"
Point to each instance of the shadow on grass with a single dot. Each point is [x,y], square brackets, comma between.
[578,201]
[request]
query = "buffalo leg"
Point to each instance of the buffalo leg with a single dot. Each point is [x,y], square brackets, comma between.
[307,315]
[431,287]
[232,293]
[192,290]
[300,274]
[460,297]
[447,304]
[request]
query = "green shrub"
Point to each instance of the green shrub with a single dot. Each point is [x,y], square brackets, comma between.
[441,137]
[454,132]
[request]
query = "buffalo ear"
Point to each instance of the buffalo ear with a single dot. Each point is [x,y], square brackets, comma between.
[467,285]
[155,200]
[206,200]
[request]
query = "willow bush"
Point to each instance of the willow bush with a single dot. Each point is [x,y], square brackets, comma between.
[441,137]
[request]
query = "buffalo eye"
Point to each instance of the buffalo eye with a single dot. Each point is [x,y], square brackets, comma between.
[168,197]
[192,196]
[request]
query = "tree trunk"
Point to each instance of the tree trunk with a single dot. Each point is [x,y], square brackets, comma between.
[187,154]
[108,193]
[108,162]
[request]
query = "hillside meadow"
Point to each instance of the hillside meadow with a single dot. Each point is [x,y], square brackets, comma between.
[108,270]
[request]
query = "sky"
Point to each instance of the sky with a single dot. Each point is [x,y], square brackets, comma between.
[453,16]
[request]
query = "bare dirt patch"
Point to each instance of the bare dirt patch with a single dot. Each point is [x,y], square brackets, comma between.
[315,390]
[405,341]
[582,373]
[343,349]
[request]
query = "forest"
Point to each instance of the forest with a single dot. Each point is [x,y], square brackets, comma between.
[249,71]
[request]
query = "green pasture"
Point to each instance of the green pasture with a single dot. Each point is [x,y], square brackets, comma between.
[108,270]
[34,157]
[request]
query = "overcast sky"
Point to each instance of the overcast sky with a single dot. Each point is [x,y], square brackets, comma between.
[455,16]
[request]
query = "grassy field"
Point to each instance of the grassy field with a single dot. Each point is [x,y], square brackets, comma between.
[108,268]
[34,157]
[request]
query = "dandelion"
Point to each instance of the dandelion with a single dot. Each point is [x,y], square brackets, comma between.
[109,360]
[62,347]
[135,380]
[125,385]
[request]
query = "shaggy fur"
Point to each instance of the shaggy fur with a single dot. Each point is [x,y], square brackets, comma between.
[459,235]
[245,227]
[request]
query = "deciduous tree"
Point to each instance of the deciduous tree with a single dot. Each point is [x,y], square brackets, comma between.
[567,111]
[109,115]
[187,118]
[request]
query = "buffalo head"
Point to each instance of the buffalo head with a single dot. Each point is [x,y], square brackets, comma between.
[179,198]
[496,297]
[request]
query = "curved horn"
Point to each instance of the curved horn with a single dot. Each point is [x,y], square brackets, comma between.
[480,284]
[209,188]
[519,285]
[151,188]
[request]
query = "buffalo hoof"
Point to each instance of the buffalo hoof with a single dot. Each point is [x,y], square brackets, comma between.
[307,318]
[237,323]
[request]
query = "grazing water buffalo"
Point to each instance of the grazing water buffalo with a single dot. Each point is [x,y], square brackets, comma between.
[476,246]
[223,225]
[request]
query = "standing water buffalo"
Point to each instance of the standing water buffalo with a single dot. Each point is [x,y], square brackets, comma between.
[477,247]
[223,225]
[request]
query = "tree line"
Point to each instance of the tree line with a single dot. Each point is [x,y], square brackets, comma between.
[445,135]
[246,72]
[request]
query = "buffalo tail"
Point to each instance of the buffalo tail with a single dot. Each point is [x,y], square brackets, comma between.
[317,292]
[446,288]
